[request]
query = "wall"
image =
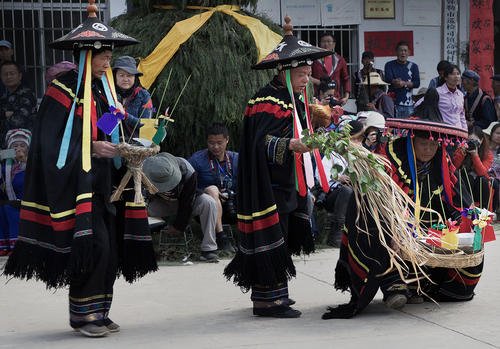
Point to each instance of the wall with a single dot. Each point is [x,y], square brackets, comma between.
[426,42]
[270,9]
[426,39]
[117,7]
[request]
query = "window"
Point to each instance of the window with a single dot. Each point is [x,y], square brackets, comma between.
[346,37]
[30,25]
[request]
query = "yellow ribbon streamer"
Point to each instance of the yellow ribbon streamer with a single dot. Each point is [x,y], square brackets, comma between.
[151,66]
[86,141]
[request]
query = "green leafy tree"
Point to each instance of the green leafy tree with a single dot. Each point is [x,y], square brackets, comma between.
[148,5]
[218,57]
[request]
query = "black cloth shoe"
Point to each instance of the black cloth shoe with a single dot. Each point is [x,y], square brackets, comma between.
[280,311]
[113,327]
[343,311]
[209,256]
[223,243]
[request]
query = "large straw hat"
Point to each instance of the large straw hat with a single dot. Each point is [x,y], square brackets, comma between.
[434,129]
[375,79]
[490,127]
[372,119]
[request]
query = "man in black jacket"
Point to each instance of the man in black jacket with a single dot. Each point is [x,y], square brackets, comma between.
[176,181]
[479,107]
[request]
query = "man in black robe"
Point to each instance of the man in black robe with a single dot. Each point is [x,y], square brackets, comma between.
[70,234]
[273,219]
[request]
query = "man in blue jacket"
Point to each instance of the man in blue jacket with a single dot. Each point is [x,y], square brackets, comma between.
[403,76]
[217,170]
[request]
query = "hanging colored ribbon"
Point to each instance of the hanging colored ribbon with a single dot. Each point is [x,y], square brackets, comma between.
[445,172]
[87,127]
[300,183]
[63,150]
[109,90]
[323,180]
[151,66]
[304,158]
[414,178]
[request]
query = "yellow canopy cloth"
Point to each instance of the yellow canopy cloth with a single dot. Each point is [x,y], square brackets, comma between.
[151,66]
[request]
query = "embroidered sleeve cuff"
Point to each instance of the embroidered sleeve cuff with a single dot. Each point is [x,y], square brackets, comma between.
[276,149]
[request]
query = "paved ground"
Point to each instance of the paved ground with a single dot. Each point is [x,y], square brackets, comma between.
[194,307]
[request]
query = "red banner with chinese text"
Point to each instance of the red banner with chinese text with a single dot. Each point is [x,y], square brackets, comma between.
[481,41]
[383,43]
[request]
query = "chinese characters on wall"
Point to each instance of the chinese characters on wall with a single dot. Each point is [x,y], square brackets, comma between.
[481,41]
[450,31]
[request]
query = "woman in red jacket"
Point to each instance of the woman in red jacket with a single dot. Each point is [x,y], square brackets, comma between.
[473,164]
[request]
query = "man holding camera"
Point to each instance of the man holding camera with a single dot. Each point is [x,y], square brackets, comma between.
[332,66]
[217,170]
[379,100]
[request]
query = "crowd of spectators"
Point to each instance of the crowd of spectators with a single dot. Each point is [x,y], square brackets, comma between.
[206,183]
[452,97]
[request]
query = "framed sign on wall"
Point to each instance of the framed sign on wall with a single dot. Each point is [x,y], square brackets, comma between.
[379,9]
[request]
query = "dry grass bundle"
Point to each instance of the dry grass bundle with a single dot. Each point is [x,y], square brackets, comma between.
[135,156]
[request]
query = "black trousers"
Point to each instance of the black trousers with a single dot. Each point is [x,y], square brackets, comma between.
[337,201]
[90,299]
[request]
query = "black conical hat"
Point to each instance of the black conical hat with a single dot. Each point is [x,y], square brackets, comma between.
[291,52]
[92,33]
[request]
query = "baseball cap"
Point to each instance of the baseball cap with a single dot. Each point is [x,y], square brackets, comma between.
[471,74]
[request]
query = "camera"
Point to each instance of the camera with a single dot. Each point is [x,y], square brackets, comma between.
[228,206]
[473,144]
[334,102]
[320,200]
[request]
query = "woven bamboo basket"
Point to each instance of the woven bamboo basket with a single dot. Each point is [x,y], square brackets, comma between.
[135,156]
[455,260]
[444,258]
